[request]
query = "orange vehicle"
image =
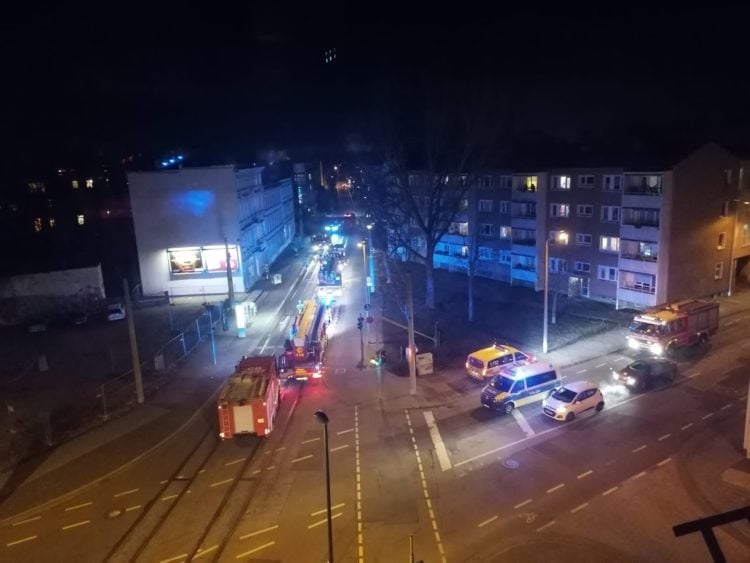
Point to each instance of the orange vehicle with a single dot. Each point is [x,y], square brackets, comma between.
[250,398]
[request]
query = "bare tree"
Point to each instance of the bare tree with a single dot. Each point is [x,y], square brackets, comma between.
[428,168]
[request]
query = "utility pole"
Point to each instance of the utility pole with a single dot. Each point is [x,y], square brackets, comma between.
[412,347]
[133,344]
[230,280]
[360,326]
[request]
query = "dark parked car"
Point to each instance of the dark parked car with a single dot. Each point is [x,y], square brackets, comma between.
[642,373]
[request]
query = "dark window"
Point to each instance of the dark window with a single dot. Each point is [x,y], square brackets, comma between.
[540,379]
[517,386]
[520,356]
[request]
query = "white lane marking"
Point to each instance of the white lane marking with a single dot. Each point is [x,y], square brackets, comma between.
[586,474]
[523,423]
[76,525]
[131,508]
[177,558]
[686,426]
[729,323]
[725,407]
[304,457]
[709,415]
[440,450]
[324,520]
[600,365]
[259,532]
[310,440]
[23,540]
[547,525]
[256,471]
[488,521]
[664,462]
[339,448]
[281,448]
[224,482]
[77,506]
[579,507]
[264,345]
[693,374]
[201,552]
[162,482]
[555,488]
[20,522]
[580,371]
[270,467]
[610,491]
[524,503]
[639,448]
[264,546]
[130,492]
[340,432]
[233,462]
[641,474]
[664,437]
[168,497]
[334,507]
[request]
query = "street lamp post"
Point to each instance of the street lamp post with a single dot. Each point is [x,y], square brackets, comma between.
[562,237]
[371,263]
[322,417]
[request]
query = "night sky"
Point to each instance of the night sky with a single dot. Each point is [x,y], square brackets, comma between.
[242,80]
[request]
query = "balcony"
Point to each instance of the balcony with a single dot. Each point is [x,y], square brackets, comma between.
[523,223]
[643,232]
[643,190]
[525,241]
[635,298]
[522,193]
[638,263]
[519,272]
[642,200]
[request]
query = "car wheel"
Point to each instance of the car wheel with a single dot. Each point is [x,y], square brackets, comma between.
[508,408]
[570,417]
[599,406]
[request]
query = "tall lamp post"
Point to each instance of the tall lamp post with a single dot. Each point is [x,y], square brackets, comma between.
[371,263]
[562,237]
[363,246]
[322,417]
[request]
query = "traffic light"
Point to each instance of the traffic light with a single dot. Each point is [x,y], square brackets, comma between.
[359,322]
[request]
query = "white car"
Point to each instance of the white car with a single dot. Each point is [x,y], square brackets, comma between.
[567,402]
[116,312]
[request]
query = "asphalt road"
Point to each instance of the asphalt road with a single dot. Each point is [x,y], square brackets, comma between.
[463,483]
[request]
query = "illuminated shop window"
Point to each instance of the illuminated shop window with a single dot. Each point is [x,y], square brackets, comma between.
[74,183]
[80,219]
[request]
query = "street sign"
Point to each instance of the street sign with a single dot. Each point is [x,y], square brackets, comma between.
[424,363]
[370,320]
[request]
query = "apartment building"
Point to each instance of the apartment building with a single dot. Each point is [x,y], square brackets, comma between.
[634,235]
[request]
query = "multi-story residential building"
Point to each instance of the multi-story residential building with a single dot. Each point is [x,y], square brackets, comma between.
[188,219]
[633,235]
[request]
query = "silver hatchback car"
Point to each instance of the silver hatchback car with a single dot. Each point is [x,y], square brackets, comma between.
[571,400]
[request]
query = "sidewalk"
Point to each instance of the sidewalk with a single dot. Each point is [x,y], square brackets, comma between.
[80,462]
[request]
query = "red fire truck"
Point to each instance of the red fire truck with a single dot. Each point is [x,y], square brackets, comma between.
[307,345]
[250,398]
[664,329]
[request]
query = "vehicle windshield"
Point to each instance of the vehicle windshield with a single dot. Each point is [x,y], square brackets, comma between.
[502,383]
[115,308]
[649,329]
[564,395]
[473,362]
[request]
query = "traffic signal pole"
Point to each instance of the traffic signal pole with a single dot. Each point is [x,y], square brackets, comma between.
[360,321]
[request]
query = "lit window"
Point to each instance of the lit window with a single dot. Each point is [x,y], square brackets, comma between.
[38,224]
[560,182]
[609,244]
[52,223]
[746,234]
[463,229]
[505,232]
[80,219]
[74,183]
[36,187]
[559,210]
[558,237]
[89,183]
[530,183]
[722,242]
[464,251]
[718,270]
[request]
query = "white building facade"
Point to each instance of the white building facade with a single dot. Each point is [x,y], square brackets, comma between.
[192,224]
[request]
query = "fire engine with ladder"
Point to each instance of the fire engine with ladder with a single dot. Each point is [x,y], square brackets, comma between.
[306,348]
[250,398]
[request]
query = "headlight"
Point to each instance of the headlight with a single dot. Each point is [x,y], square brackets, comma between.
[630,380]
[484,372]
[467,365]
[615,375]
[561,410]
[632,342]
[657,348]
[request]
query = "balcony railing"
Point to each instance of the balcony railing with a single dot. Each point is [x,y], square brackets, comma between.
[524,267]
[650,290]
[637,256]
[525,188]
[639,223]
[527,215]
[643,190]
[525,241]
